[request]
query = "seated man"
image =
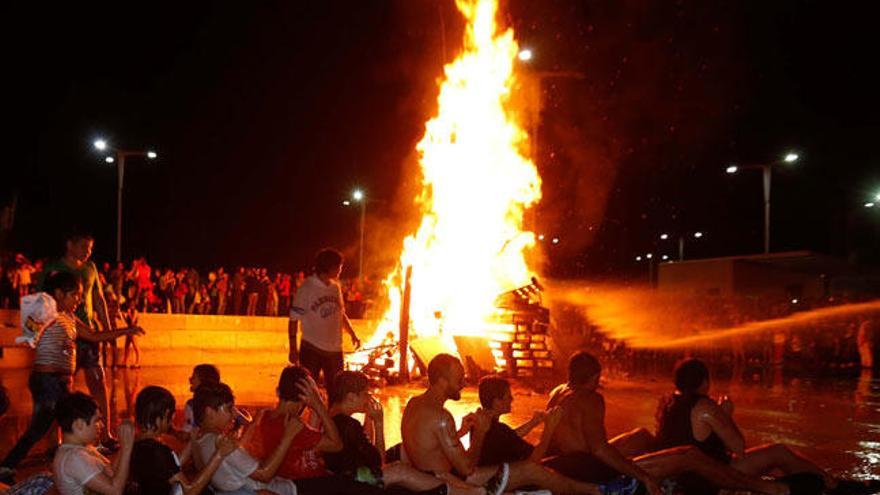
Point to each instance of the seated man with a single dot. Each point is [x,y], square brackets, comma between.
[361,457]
[239,471]
[503,443]
[432,445]
[78,466]
[585,453]
[304,462]
[155,468]
[690,417]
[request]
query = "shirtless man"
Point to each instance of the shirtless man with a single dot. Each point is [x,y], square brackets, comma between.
[431,443]
[586,454]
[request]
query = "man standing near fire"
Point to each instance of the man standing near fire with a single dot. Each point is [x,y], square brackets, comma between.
[320,309]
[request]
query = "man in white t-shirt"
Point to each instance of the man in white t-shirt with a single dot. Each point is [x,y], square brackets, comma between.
[78,465]
[319,309]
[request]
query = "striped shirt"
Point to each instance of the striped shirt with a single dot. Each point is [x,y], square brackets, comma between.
[56,347]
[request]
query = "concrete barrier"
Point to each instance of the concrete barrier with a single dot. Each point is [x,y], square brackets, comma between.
[178,339]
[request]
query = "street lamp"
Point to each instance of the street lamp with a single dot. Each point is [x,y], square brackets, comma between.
[118,156]
[358,196]
[681,237]
[789,157]
[525,54]
[649,258]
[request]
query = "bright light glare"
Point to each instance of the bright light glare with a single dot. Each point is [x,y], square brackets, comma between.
[638,258]
[100,144]
[555,240]
[109,159]
[791,157]
[664,236]
[357,195]
[794,301]
[665,257]
[877,197]
[525,54]
[649,256]
[732,169]
[698,234]
[869,205]
[541,237]
[151,155]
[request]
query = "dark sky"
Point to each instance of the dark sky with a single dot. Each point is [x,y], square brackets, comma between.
[267,114]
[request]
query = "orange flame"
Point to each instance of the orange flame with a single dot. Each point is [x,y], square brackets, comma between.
[476,186]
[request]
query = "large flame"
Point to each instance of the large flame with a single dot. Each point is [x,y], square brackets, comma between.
[476,186]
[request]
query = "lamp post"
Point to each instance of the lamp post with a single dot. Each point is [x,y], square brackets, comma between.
[358,196]
[695,235]
[526,56]
[118,156]
[766,168]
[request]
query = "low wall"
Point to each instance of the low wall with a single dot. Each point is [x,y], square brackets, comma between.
[177,339]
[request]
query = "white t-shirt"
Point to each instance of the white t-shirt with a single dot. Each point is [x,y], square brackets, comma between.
[235,470]
[76,465]
[320,308]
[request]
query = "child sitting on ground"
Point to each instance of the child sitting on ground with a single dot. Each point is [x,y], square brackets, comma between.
[155,467]
[213,410]
[78,466]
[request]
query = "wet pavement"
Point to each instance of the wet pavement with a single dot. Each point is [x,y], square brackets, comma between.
[833,421]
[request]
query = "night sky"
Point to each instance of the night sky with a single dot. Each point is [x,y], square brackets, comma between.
[267,114]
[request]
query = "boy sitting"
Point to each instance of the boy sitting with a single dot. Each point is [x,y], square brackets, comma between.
[78,465]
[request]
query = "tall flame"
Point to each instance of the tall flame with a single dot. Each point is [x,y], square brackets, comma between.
[476,186]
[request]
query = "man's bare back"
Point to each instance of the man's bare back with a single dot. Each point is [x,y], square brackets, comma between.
[423,426]
[569,435]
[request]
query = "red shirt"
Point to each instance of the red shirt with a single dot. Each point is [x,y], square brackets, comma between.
[303,460]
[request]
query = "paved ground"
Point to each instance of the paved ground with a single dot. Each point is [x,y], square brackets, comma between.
[836,422]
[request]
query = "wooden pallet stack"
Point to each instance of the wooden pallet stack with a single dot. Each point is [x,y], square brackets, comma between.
[524,350]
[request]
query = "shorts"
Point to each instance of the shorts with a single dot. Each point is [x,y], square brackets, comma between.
[582,466]
[87,354]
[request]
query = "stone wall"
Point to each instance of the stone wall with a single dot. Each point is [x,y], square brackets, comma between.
[177,339]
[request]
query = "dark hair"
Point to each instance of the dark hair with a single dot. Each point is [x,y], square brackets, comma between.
[689,375]
[440,366]
[207,373]
[492,387]
[152,404]
[348,382]
[61,280]
[73,407]
[78,235]
[211,395]
[327,259]
[582,366]
[287,389]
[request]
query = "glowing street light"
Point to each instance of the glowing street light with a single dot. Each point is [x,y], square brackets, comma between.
[638,258]
[681,237]
[869,205]
[789,157]
[358,196]
[525,54]
[118,157]
[665,257]
[555,240]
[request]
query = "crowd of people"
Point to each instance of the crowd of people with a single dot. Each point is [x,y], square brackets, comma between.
[253,291]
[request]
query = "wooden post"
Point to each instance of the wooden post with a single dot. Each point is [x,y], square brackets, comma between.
[404,326]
